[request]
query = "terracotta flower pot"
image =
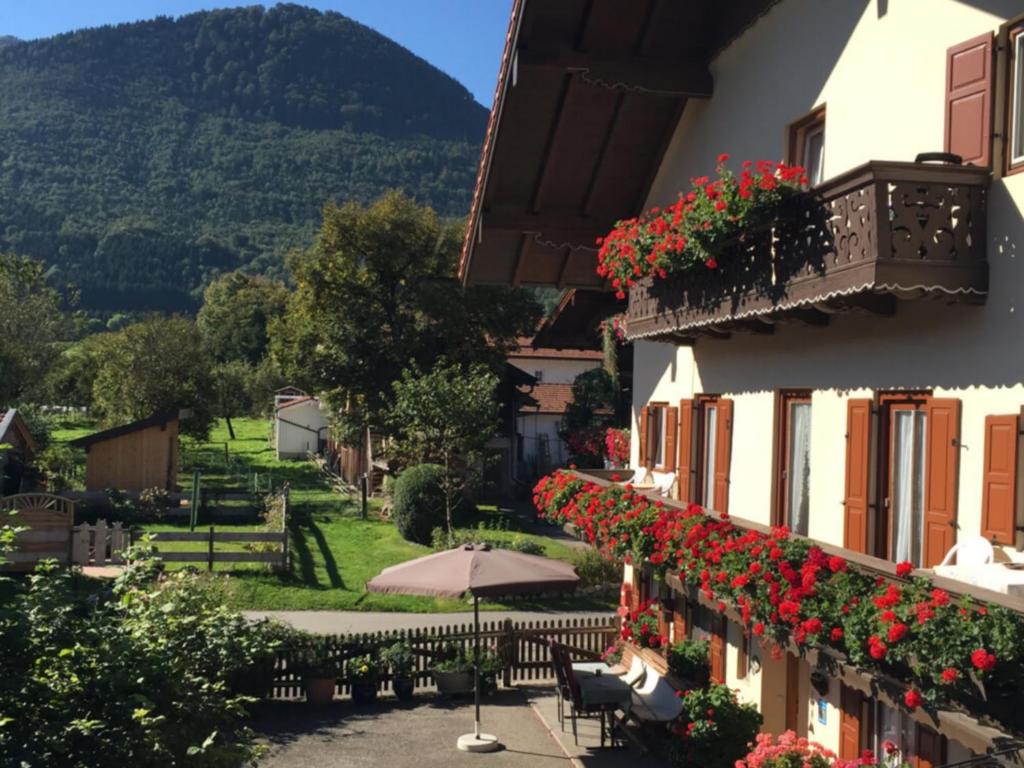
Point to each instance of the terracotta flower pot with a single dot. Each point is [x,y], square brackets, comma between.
[320,690]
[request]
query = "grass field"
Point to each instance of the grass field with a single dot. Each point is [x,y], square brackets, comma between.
[333,551]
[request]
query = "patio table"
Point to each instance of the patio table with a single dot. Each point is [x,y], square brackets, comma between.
[591,668]
[1007,578]
[607,693]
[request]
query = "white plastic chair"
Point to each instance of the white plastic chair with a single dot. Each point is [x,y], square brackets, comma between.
[655,700]
[663,482]
[640,477]
[975,550]
[636,671]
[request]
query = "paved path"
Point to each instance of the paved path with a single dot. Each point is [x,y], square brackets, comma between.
[350,622]
[421,735]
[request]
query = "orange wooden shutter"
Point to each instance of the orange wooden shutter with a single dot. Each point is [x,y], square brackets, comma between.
[718,649]
[999,482]
[942,458]
[643,436]
[969,100]
[679,619]
[743,655]
[684,468]
[671,419]
[723,450]
[858,475]
[850,705]
[929,749]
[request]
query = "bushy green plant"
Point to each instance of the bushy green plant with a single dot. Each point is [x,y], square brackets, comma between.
[715,729]
[399,659]
[595,569]
[419,503]
[441,540]
[364,669]
[147,675]
[690,660]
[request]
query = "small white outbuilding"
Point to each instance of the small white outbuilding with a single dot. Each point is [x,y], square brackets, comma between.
[300,427]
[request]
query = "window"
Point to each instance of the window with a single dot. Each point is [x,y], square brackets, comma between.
[1016,48]
[539,376]
[805,145]
[920,454]
[658,437]
[709,452]
[793,460]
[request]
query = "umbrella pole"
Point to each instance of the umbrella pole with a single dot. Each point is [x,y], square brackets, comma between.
[476,660]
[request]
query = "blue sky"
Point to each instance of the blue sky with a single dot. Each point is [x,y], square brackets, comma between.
[461,37]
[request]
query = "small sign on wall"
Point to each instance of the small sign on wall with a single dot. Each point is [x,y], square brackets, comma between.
[823,711]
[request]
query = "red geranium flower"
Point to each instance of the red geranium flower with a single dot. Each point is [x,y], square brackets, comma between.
[983,660]
[949,675]
[913,699]
[904,569]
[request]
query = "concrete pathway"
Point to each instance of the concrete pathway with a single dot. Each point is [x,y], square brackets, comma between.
[421,735]
[352,622]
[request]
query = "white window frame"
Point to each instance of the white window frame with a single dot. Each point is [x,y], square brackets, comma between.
[1017,100]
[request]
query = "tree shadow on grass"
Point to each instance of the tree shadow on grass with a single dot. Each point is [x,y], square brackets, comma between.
[325,552]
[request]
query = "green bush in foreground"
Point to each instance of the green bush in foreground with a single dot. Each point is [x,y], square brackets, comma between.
[150,674]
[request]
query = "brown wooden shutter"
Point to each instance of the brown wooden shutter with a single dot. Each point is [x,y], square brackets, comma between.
[718,649]
[743,655]
[929,748]
[942,459]
[969,100]
[643,435]
[723,450]
[858,474]
[679,619]
[851,703]
[684,467]
[999,482]
[792,692]
[671,420]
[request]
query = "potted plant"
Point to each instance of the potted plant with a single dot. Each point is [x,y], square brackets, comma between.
[363,674]
[401,661]
[690,660]
[320,671]
[490,666]
[453,671]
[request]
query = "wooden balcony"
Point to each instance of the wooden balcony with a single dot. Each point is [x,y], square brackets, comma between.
[882,233]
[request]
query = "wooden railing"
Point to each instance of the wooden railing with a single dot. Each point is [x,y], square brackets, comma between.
[522,646]
[881,232]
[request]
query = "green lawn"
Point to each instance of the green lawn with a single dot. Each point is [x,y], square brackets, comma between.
[333,551]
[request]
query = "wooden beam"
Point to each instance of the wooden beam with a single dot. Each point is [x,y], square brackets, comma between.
[579,231]
[810,316]
[876,303]
[602,153]
[566,256]
[554,134]
[517,272]
[631,73]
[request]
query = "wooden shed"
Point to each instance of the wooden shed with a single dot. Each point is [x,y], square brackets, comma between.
[133,457]
[17,448]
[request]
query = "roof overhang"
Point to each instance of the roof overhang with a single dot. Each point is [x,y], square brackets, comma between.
[588,97]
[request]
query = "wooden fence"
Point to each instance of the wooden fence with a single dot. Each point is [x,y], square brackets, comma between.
[46,521]
[522,646]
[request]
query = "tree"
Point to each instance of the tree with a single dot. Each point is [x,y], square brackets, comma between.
[588,416]
[376,292]
[237,308]
[155,366]
[447,414]
[31,321]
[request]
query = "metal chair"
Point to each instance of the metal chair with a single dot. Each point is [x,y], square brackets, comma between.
[562,681]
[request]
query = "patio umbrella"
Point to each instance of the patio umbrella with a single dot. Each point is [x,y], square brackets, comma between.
[483,572]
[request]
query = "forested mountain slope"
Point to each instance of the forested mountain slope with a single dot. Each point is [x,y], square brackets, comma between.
[141,160]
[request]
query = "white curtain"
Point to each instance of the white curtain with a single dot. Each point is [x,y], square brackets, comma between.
[799,466]
[710,449]
[908,485]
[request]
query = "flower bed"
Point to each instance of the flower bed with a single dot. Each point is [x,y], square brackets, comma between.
[693,234]
[788,751]
[787,589]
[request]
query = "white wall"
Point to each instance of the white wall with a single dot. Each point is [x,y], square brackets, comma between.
[560,371]
[293,441]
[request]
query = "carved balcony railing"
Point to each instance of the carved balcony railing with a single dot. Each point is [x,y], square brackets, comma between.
[880,233]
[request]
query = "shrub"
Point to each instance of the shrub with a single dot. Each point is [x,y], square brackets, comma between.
[441,540]
[594,569]
[715,729]
[142,675]
[419,503]
[690,660]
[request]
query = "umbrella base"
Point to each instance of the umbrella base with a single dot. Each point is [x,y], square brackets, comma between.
[484,742]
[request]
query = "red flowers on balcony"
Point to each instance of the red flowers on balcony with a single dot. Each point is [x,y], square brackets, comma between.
[787,589]
[695,232]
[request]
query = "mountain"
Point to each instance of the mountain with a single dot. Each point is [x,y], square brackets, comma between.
[8,40]
[141,160]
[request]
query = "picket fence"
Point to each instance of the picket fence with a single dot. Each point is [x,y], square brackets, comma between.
[522,646]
